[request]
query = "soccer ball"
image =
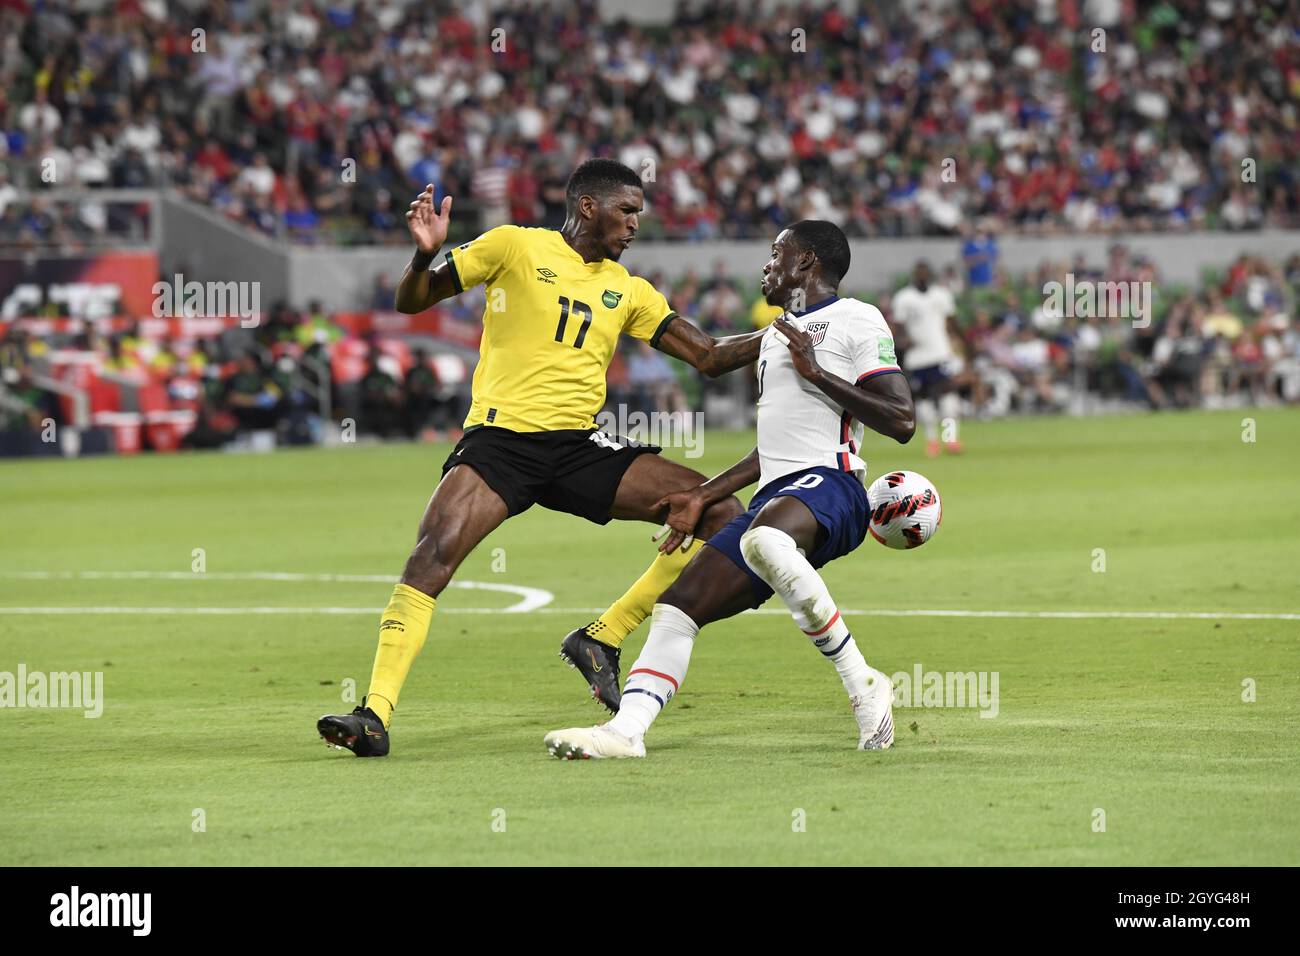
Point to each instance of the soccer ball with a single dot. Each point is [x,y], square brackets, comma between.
[905,509]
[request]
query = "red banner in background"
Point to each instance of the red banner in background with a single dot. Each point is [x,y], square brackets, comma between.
[150,328]
[349,356]
[433,323]
[91,287]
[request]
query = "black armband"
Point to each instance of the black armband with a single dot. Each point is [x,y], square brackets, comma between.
[421,261]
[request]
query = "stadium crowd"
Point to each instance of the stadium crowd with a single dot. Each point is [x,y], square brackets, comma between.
[1234,340]
[317,120]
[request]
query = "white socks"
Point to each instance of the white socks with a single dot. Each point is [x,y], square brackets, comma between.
[929,418]
[776,559]
[950,408]
[661,667]
[658,672]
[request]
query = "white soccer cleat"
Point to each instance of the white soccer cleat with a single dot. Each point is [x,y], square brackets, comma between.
[592,743]
[874,711]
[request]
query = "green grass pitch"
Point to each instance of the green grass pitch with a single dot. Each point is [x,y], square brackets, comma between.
[1140,719]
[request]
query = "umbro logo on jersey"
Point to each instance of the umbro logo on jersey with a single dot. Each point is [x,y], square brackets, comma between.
[611,299]
[817,331]
[545,275]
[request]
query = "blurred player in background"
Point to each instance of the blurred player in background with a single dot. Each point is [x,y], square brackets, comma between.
[557,302]
[925,322]
[826,370]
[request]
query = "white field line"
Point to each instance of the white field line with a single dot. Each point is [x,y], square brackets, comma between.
[170,611]
[852,612]
[532,600]
[202,575]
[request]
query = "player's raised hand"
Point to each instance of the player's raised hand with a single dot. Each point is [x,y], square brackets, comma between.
[428,226]
[685,508]
[801,349]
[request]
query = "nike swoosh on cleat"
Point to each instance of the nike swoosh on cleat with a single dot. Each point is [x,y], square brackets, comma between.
[594,665]
[371,733]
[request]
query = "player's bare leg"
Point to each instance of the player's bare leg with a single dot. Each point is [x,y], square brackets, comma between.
[710,589]
[651,477]
[462,512]
[594,649]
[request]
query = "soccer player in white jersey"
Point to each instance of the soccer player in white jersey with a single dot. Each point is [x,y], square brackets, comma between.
[925,316]
[825,370]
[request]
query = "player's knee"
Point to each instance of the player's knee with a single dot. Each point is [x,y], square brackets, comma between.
[719,514]
[763,547]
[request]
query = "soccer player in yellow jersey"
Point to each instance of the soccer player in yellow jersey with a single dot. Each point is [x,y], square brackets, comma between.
[556,305]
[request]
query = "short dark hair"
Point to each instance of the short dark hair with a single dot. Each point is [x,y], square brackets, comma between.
[827,242]
[598,178]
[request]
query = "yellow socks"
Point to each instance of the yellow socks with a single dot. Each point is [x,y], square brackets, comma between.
[404,626]
[639,600]
[402,630]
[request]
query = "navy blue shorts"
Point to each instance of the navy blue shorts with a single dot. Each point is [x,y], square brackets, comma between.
[837,500]
[929,382]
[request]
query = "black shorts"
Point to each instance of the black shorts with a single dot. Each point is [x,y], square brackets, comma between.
[574,471]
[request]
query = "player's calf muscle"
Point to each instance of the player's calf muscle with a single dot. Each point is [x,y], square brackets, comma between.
[710,589]
[687,596]
[427,569]
[444,542]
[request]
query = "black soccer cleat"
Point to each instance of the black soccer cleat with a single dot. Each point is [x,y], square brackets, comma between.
[598,664]
[361,731]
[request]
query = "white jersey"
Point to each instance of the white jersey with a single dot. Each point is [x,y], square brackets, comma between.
[799,426]
[925,316]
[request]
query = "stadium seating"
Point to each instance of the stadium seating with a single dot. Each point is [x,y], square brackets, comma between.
[1026,121]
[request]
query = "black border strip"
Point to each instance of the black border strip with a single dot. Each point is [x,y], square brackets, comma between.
[663,327]
[455,276]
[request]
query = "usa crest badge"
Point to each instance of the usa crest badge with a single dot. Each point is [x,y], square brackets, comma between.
[817,331]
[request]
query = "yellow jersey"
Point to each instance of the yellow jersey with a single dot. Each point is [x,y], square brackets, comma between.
[762,314]
[550,327]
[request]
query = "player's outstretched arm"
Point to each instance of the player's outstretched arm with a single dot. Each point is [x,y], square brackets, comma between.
[685,508]
[711,356]
[883,403]
[419,286]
